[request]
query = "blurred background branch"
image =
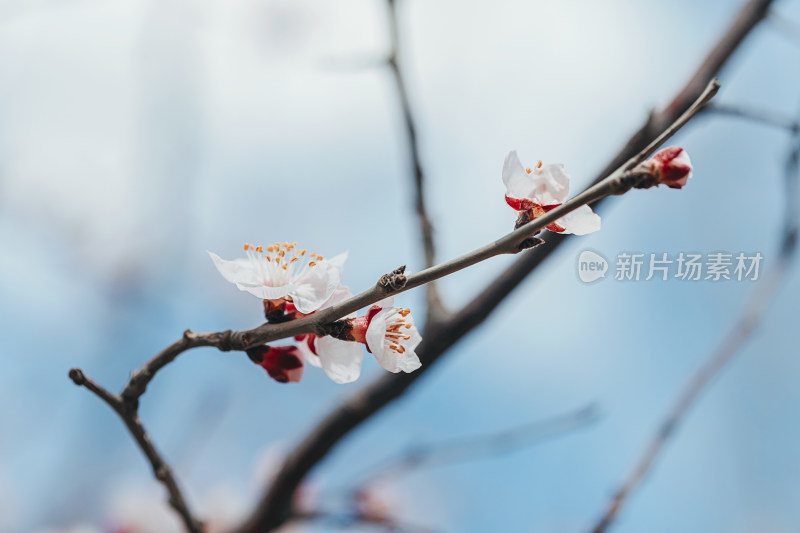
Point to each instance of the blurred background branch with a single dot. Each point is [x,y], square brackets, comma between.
[274,506]
[751,316]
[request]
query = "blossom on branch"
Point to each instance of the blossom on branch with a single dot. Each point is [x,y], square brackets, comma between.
[284,364]
[339,359]
[284,273]
[390,335]
[534,192]
[669,166]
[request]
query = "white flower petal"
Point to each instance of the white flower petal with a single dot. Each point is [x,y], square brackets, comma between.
[236,271]
[387,358]
[341,360]
[550,185]
[316,285]
[310,357]
[517,181]
[376,331]
[267,293]
[386,302]
[341,294]
[581,221]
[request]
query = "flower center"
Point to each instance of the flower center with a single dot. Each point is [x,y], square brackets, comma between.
[281,263]
[395,324]
[528,170]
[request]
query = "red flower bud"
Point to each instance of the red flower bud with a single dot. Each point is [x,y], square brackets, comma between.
[671,166]
[284,364]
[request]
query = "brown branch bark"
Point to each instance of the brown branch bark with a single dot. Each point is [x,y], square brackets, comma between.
[741,330]
[128,412]
[275,505]
[435,307]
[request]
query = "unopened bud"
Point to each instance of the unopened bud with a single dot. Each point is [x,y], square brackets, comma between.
[669,166]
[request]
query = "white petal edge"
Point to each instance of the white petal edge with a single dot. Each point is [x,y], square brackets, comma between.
[341,360]
[517,181]
[581,221]
[550,184]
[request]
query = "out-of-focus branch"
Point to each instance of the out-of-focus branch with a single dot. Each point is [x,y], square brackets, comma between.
[345,520]
[275,506]
[435,307]
[761,116]
[618,182]
[478,446]
[789,28]
[128,412]
[744,326]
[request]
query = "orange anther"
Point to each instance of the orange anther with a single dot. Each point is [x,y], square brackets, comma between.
[528,170]
[302,253]
[259,249]
[312,263]
[540,164]
[404,312]
[246,247]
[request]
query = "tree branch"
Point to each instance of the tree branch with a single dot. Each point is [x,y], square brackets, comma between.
[275,506]
[761,116]
[435,307]
[474,447]
[751,316]
[128,412]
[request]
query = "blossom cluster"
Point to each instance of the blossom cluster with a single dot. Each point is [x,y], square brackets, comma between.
[294,283]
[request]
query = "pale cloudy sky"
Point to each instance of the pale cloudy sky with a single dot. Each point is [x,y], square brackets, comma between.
[136,135]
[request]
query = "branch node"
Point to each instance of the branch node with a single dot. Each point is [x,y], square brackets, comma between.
[340,329]
[394,280]
[530,242]
[225,341]
[77,377]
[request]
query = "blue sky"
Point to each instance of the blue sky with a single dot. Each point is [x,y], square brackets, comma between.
[136,135]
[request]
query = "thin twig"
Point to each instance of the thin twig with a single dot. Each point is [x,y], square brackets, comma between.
[349,519]
[396,283]
[128,412]
[435,307]
[275,505]
[478,446]
[789,28]
[751,316]
[761,116]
